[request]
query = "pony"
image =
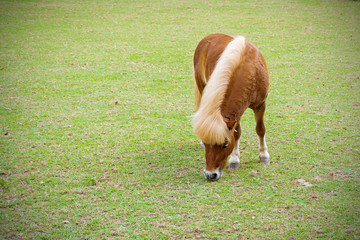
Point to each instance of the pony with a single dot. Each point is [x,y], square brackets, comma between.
[230,75]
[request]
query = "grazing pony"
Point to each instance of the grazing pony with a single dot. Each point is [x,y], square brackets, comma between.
[230,76]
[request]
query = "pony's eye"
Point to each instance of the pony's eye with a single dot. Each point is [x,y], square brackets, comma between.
[225,146]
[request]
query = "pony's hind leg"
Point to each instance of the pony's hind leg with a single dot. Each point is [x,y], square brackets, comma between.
[260,130]
[234,160]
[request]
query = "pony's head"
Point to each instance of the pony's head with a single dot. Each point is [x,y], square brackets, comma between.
[216,154]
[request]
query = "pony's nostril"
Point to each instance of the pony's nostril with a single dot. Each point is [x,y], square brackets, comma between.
[213,176]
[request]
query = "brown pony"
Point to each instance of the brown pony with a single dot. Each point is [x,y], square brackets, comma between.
[230,76]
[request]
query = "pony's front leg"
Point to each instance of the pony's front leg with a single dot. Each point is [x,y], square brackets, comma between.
[234,160]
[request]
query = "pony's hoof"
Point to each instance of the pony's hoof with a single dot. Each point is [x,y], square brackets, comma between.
[234,165]
[265,160]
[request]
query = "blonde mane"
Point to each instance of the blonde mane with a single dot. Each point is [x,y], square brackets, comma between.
[208,122]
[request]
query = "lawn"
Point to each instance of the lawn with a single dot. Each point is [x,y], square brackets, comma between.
[96,139]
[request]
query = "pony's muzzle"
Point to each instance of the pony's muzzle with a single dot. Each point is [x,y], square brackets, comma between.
[213,176]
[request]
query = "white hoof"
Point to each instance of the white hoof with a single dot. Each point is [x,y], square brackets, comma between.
[264,157]
[234,162]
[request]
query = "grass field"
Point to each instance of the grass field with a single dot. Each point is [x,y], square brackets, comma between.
[95,121]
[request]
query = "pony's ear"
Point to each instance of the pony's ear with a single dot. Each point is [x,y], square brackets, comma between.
[231,124]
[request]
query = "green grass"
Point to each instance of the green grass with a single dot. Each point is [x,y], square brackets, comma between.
[95,121]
